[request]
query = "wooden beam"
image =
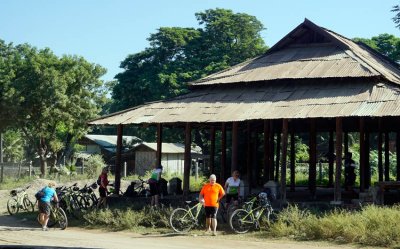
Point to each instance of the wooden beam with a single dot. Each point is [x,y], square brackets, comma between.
[387,162]
[278,155]
[331,159]
[249,156]
[367,164]
[380,165]
[362,154]
[272,150]
[234,163]
[159,145]
[267,151]
[117,183]
[398,155]
[312,175]
[292,162]
[212,149]
[223,152]
[187,159]
[339,135]
[284,155]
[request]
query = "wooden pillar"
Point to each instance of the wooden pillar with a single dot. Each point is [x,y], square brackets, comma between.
[117,183]
[278,155]
[223,152]
[331,159]
[312,174]
[292,162]
[248,161]
[338,173]
[187,159]
[387,162]
[367,172]
[234,163]
[284,155]
[346,142]
[362,154]
[212,149]
[380,166]
[398,155]
[159,145]
[267,151]
[272,150]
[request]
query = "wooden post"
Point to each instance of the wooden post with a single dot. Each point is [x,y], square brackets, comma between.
[248,161]
[234,163]
[339,135]
[159,145]
[367,172]
[331,159]
[362,154]
[292,162]
[312,177]
[272,150]
[284,155]
[267,151]
[212,149]
[188,159]
[346,142]
[223,152]
[398,155]
[387,162]
[278,154]
[380,166]
[117,184]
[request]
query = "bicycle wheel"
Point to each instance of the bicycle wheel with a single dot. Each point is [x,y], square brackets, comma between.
[240,221]
[12,206]
[27,204]
[181,220]
[62,219]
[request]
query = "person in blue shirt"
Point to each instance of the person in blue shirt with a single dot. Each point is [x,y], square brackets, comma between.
[44,204]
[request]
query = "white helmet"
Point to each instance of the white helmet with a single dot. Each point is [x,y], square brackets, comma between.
[263,198]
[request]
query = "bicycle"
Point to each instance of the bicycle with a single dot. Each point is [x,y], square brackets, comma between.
[253,211]
[184,219]
[57,216]
[19,200]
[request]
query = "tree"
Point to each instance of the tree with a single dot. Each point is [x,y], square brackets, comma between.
[386,44]
[48,98]
[180,55]
[396,18]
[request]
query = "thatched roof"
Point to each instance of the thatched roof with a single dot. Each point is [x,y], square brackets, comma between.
[311,73]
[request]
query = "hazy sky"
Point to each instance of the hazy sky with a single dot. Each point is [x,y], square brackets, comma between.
[106,31]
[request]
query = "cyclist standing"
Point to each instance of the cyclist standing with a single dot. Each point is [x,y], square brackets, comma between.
[232,186]
[103,178]
[44,204]
[210,195]
[154,183]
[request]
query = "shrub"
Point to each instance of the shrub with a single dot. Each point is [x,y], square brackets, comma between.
[94,165]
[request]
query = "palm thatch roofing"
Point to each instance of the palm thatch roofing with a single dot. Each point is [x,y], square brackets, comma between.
[310,73]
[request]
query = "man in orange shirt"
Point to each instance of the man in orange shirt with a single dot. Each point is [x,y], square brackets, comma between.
[210,195]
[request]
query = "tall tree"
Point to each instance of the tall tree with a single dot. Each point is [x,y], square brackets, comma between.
[179,55]
[48,98]
[396,18]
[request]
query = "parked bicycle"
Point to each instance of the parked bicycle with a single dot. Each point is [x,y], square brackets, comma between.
[19,200]
[184,219]
[57,217]
[256,210]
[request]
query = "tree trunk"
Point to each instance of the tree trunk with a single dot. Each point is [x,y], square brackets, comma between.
[43,159]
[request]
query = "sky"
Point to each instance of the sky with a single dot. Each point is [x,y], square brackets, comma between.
[105,32]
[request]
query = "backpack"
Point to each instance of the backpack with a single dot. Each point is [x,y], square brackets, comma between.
[40,194]
[98,181]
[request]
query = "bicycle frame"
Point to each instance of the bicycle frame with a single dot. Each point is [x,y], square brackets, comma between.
[195,210]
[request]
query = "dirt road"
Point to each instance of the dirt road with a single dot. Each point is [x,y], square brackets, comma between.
[17,233]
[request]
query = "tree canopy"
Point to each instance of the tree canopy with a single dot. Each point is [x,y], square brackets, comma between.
[386,44]
[179,55]
[48,98]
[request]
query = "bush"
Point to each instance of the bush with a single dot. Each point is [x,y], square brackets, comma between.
[94,165]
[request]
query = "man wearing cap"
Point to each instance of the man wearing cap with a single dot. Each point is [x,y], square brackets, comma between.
[210,195]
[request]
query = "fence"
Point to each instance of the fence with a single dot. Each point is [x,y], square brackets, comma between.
[17,170]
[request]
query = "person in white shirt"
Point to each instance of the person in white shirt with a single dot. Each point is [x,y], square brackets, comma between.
[232,186]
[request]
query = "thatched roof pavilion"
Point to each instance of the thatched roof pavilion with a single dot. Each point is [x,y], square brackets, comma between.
[313,80]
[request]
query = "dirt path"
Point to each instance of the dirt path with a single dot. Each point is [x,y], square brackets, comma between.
[17,233]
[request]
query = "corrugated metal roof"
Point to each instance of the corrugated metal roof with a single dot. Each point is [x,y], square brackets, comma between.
[171,148]
[109,142]
[342,99]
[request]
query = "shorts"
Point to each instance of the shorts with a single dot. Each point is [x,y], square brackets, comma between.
[229,197]
[211,212]
[154,189]
[103,192]
[44,207]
